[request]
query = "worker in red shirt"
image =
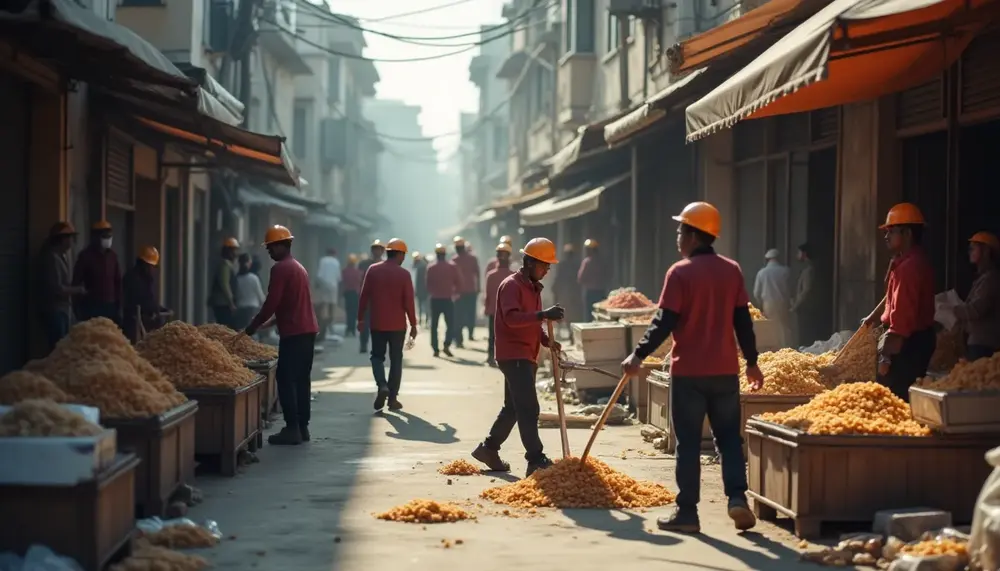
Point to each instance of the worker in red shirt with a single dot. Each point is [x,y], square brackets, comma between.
[703,301]
[591,277]
[97,270]
[376,251]
[289,305]
[350,287]
[492,264]
[905,349]
[465,306]
[494,278]
[443,281]
[518,329]
[387,293]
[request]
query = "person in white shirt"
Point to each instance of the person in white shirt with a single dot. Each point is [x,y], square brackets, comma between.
[328,278]
[772,290]
[249,295]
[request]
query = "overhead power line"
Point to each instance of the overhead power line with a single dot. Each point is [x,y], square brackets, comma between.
[421,11]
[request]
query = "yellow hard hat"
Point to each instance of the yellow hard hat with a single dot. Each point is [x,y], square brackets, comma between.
[150,255]
[101,225]
[377,244]
[458,240]
[701,216]
[440,249]
[506,239]
[987,239]
[415,255]
[903,213]
[541,249]
[352,258]
[590,243]
[277,233]
[230,243]
[504,247]
[396,245]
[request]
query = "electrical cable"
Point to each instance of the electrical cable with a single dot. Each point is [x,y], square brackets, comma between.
[418,12]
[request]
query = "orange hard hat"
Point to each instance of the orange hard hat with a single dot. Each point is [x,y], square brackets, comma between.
[541,249]
[987,239]
[506,239]
[504,247]
[277,233]
[396,245]
[590,243]
[377,244]
[903,213]
[150,255]
[230,243]
[701,216]
[352,258]
[101,225]
[62,229]
[440,249]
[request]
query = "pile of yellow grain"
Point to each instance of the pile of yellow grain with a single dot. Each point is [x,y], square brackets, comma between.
[460,468]
[181,537]
[788,372]
[978,375]
[425,511]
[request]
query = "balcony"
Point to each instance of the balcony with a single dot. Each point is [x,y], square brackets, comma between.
[277,35]
[576,89]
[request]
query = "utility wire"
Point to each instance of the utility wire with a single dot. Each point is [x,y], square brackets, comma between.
[418,12]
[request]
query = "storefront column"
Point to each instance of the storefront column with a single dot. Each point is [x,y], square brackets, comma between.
[715,156]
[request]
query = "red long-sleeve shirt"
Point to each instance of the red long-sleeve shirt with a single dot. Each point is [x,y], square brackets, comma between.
[288,300]
[97,269]
[469,266]
[494,278]
[518,330]
[444,280]
[388,289]
[909,302]
[350,279]
[491,265]
[591,275]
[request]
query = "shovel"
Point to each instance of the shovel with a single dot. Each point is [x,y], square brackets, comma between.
[622,383]
[557,381]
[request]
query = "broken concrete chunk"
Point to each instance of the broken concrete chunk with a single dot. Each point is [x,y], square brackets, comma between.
[908,524]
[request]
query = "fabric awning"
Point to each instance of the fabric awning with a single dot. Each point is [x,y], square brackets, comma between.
[329,221]
[653,110]
[774,16]
[445,235]
[852,50]
[357,221]
[558,209]
[589,141]
[251,196]
[292,194]
[485,216]
[511,201]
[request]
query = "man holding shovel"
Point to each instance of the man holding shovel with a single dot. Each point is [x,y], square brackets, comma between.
[703,301]
[518,329]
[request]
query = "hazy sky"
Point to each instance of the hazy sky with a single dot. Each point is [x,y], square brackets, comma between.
[440,86]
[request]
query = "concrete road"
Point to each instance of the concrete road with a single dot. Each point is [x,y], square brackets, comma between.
[310,508]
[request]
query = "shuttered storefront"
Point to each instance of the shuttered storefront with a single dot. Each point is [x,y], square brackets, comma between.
[979,80]
[119,189]
[14,117]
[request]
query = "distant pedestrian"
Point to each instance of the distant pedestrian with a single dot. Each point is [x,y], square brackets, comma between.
[592,277]
[328,276]
[376,252]
[465,307]
[222,297]
[249,293]
[980,313]
[142,310]
[772,289]
[420,286]
[567,290]
[443,282]
[55,283]
[494,278]
[387,298]
[805,306]
[492,264]
[350,285]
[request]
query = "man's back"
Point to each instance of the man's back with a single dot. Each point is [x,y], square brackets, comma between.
[388,294]
[772,284]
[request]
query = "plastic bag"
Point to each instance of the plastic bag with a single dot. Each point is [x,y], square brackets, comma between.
[834,343]
[37,558]
[984,541]
[944,308]
[155,524]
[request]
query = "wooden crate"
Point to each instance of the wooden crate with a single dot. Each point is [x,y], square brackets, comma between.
[816,479]
[638,393]
[228,421]
[599,341]
[753,404]
[636,331]
[269,402]
[165,445]
[658,403]
[957,412]
[90,522]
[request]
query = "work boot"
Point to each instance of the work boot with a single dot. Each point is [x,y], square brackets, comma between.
[448,352]
[540,464]
[492,363]
[287,436]
[681,521]
[437,353]
[363,349]
[395,404]
[741,515]
[383,393]
[304,432]
[491,458]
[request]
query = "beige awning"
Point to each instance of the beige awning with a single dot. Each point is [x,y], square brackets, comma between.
[588,142]
[557,209]
[851,50]
[650,112]
[511,201]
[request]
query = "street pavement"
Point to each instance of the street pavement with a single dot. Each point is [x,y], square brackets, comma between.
[310,508]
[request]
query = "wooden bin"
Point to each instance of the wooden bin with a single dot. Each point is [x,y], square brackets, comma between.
[165,445]
[754,404]
[599,341]
[957,412]
[638,394]
[658,402]
[90,522]
[269,402]
[228,421]
[815,479]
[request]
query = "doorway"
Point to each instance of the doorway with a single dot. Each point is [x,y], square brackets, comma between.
[820,232]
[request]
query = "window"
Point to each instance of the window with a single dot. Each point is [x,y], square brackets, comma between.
[300,126]
[253,114]
[333,71]
[579,26]
[613,37]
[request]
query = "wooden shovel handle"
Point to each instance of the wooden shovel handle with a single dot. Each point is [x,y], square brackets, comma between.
[557,384]
[604,416]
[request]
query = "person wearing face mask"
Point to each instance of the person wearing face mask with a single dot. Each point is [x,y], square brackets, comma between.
[222,298]
[97,270]
[289,305]
[56,283]
[981,311]
[518,328]
[141,296]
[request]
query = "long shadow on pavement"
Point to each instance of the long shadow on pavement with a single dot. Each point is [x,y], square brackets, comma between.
[411,427]
[631,528]
[754,559]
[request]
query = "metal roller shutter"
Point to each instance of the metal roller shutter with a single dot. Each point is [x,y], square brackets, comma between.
[118,171]
[979,78]
[920,105]
[14,116]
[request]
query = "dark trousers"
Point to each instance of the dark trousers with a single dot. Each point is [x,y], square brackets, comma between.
[392,341]
[351,311]
[491,343]
[366,330]
[590,297]
[224,315]
[910,363]
[423,302]
[976,352]
[56,326]
[294,377]
[691,399]
[520,407]
[465,315]
[442,308]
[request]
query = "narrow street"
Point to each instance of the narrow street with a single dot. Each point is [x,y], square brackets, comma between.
[310,508]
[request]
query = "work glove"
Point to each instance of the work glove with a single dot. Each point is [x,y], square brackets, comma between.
[554,313]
